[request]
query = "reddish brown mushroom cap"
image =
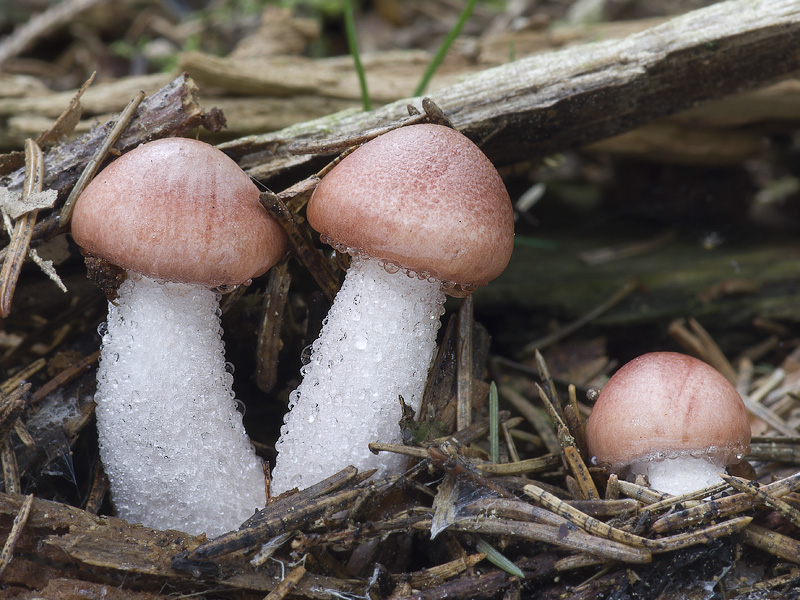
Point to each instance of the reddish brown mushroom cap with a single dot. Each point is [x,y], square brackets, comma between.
[423,197]
[180,210]
[666,404]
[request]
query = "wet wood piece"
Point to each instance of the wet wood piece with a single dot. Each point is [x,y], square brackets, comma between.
[64,377]
[287,584]
[354,534]
[445,457]
[288,512]
[488,584]
[433,576]
[528,107]
[61,541]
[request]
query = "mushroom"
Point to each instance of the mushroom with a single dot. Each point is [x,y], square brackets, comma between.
[670,417]
[185,222]
[422,212]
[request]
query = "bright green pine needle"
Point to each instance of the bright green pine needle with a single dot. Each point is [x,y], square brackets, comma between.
[495,557]
[494,424]
[352,43]
[442,51]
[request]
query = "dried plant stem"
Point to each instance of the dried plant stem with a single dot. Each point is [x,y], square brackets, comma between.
[494,425]
[306,253]
[269,338]
[97,492]
[12,406]
[435,575]
[590,316]
[752,488]
[23,228]
[581,473]
[10,469]
[683,498]
[287,584]
[523,467]
[464,357]
[565,537]
[15,533]
[641,493]
[411,451]
[772,542]
[769,417]
[596,527]
[64,377]
[723,507]
[287,513]
[509,439]
[533,415]
[99,156]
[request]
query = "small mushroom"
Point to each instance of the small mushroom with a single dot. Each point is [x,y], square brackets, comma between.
[422,212]
[670,417]
[184,221]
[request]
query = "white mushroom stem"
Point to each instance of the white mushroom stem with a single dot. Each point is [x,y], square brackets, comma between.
[171,440]
[678,475]
[376,345]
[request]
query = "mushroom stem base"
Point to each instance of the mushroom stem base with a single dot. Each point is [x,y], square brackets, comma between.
[678,475]
[171,440]
[376,345]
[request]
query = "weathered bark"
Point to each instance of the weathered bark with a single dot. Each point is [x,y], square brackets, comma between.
[566,99]
[63,542]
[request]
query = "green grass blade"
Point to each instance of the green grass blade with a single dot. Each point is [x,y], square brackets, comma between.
[352,44]
[442,51]
[494,556]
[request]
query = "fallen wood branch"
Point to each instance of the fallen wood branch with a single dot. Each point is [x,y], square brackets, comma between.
[69,544]
[566,99]
[173,110]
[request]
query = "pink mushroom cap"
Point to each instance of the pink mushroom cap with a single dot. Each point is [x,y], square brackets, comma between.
[180,210]
[424,198]
[665,405]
